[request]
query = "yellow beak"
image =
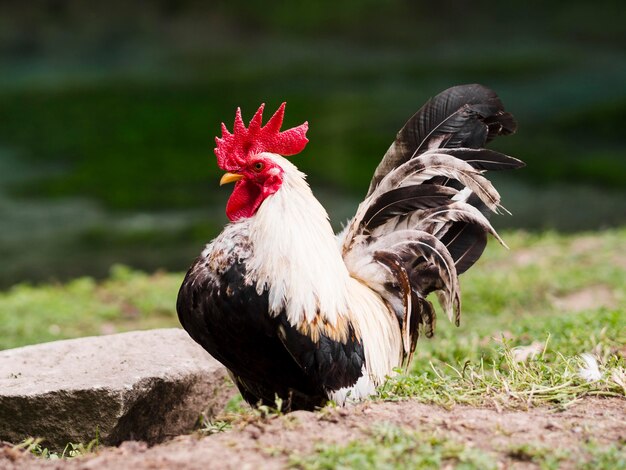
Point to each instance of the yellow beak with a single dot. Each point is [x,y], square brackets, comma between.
[230,178]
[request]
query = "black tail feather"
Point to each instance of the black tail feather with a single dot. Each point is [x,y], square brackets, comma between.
[462,116]
[424,219]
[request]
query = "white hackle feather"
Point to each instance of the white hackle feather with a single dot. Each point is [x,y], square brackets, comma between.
[296,256]
[298,260]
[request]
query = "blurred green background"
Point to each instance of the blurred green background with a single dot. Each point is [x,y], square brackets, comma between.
[108,111]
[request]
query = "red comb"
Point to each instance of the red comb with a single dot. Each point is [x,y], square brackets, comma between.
[234,150]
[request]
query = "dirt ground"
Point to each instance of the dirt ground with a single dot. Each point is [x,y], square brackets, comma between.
[268,444]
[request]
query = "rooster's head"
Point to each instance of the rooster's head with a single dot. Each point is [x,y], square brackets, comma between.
[246,156]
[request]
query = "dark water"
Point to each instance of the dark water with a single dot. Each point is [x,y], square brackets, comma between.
[43,240]
[107,119]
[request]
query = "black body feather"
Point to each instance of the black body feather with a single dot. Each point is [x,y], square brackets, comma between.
[267,357]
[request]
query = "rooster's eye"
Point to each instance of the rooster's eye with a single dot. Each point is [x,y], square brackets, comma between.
[258,166]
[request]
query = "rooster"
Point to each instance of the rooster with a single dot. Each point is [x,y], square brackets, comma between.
[298,313]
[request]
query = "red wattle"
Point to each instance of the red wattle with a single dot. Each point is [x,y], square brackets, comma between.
[244,201]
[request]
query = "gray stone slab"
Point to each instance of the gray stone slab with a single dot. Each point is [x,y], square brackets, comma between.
[141,385]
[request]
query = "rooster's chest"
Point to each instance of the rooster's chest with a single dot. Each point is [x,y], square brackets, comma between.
[220,306]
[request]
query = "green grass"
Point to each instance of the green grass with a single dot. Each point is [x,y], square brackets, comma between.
[611,457]
[519,299]
[507,382]
[514,292]
[71,450]
[391,447]
[512,300]
[128,300]
[542,456]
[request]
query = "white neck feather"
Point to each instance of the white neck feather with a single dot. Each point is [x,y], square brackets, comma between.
[296,254]
[297,258]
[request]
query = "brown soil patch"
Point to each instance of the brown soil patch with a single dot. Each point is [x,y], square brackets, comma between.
[620,261]
[586,244]
[591,244]
[523,257]
[588,298]
[528,256]
[268,444]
